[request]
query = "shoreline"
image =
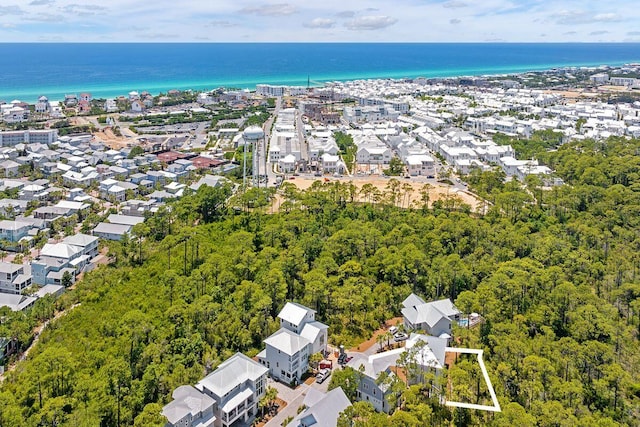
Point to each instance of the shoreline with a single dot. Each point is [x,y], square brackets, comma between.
[121,89]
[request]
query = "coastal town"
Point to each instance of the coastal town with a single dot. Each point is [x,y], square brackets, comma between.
[79,173]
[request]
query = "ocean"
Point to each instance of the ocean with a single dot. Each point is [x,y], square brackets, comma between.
[30,70]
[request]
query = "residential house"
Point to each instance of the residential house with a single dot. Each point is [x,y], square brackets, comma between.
[9,168]
[8,346]
[14,231]
[433,317]
[13,279]
[236,387]
[426,354]
[109,231]
[369,389]
[87,244]
[287,351]
[124,219]
[9,208]
[16,302]
[286,355]
[209,180]
[379,154]
[189,408]
[420,165]
[321,409]
[331,163]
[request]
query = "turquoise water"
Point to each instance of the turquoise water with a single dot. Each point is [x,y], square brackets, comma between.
[107,70]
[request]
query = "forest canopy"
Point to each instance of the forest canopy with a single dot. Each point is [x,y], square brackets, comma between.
[553,271]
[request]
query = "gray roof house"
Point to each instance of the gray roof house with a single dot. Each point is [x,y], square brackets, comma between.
[108,231]
[235,387]
[321,409]
[427,352]
[433,317]
[189,408]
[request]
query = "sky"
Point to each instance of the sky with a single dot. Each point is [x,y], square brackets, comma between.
[319,21]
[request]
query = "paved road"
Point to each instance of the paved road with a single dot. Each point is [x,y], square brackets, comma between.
[264,153]
[294,399]
[304,145]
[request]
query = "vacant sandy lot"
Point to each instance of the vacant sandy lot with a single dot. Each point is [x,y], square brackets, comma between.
[409,190]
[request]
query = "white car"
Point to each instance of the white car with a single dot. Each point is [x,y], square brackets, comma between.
[400,336]
[393,329]
[323,375]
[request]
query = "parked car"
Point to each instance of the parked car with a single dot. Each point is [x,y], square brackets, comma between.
[400,336]
[323,375]
[393,329]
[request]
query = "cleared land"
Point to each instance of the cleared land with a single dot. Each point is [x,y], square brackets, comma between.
[410,198]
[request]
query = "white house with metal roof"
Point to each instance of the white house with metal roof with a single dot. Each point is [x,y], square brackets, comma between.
[300,335]
[321,409]
[286,355]
[189,408]
[13,278]
[424,352]
[230,393]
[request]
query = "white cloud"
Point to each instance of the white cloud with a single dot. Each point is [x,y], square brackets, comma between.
[11,10]
[370,22]
[279,9]
[346,14]
[221,24]
[287,20]
[454,4]
[575,17]
[320,23]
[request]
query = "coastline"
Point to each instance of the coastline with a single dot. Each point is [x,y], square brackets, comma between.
[121,89]
[111,70]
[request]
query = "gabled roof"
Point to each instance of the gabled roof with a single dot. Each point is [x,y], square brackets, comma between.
[372,365]
[311,330]
[323,409]
[125,219]
[294,313]
[233,371]
[432,353]
[412,301]
[186,401]
[15,302]
[430,312]
[287,342]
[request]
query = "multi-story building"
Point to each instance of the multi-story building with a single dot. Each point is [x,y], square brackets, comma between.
[287,351]
[228,394]
[13,279]
[433,317]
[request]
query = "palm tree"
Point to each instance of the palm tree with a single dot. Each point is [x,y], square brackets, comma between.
[380,340]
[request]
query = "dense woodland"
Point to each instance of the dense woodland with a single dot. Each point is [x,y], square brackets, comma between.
[555,273]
